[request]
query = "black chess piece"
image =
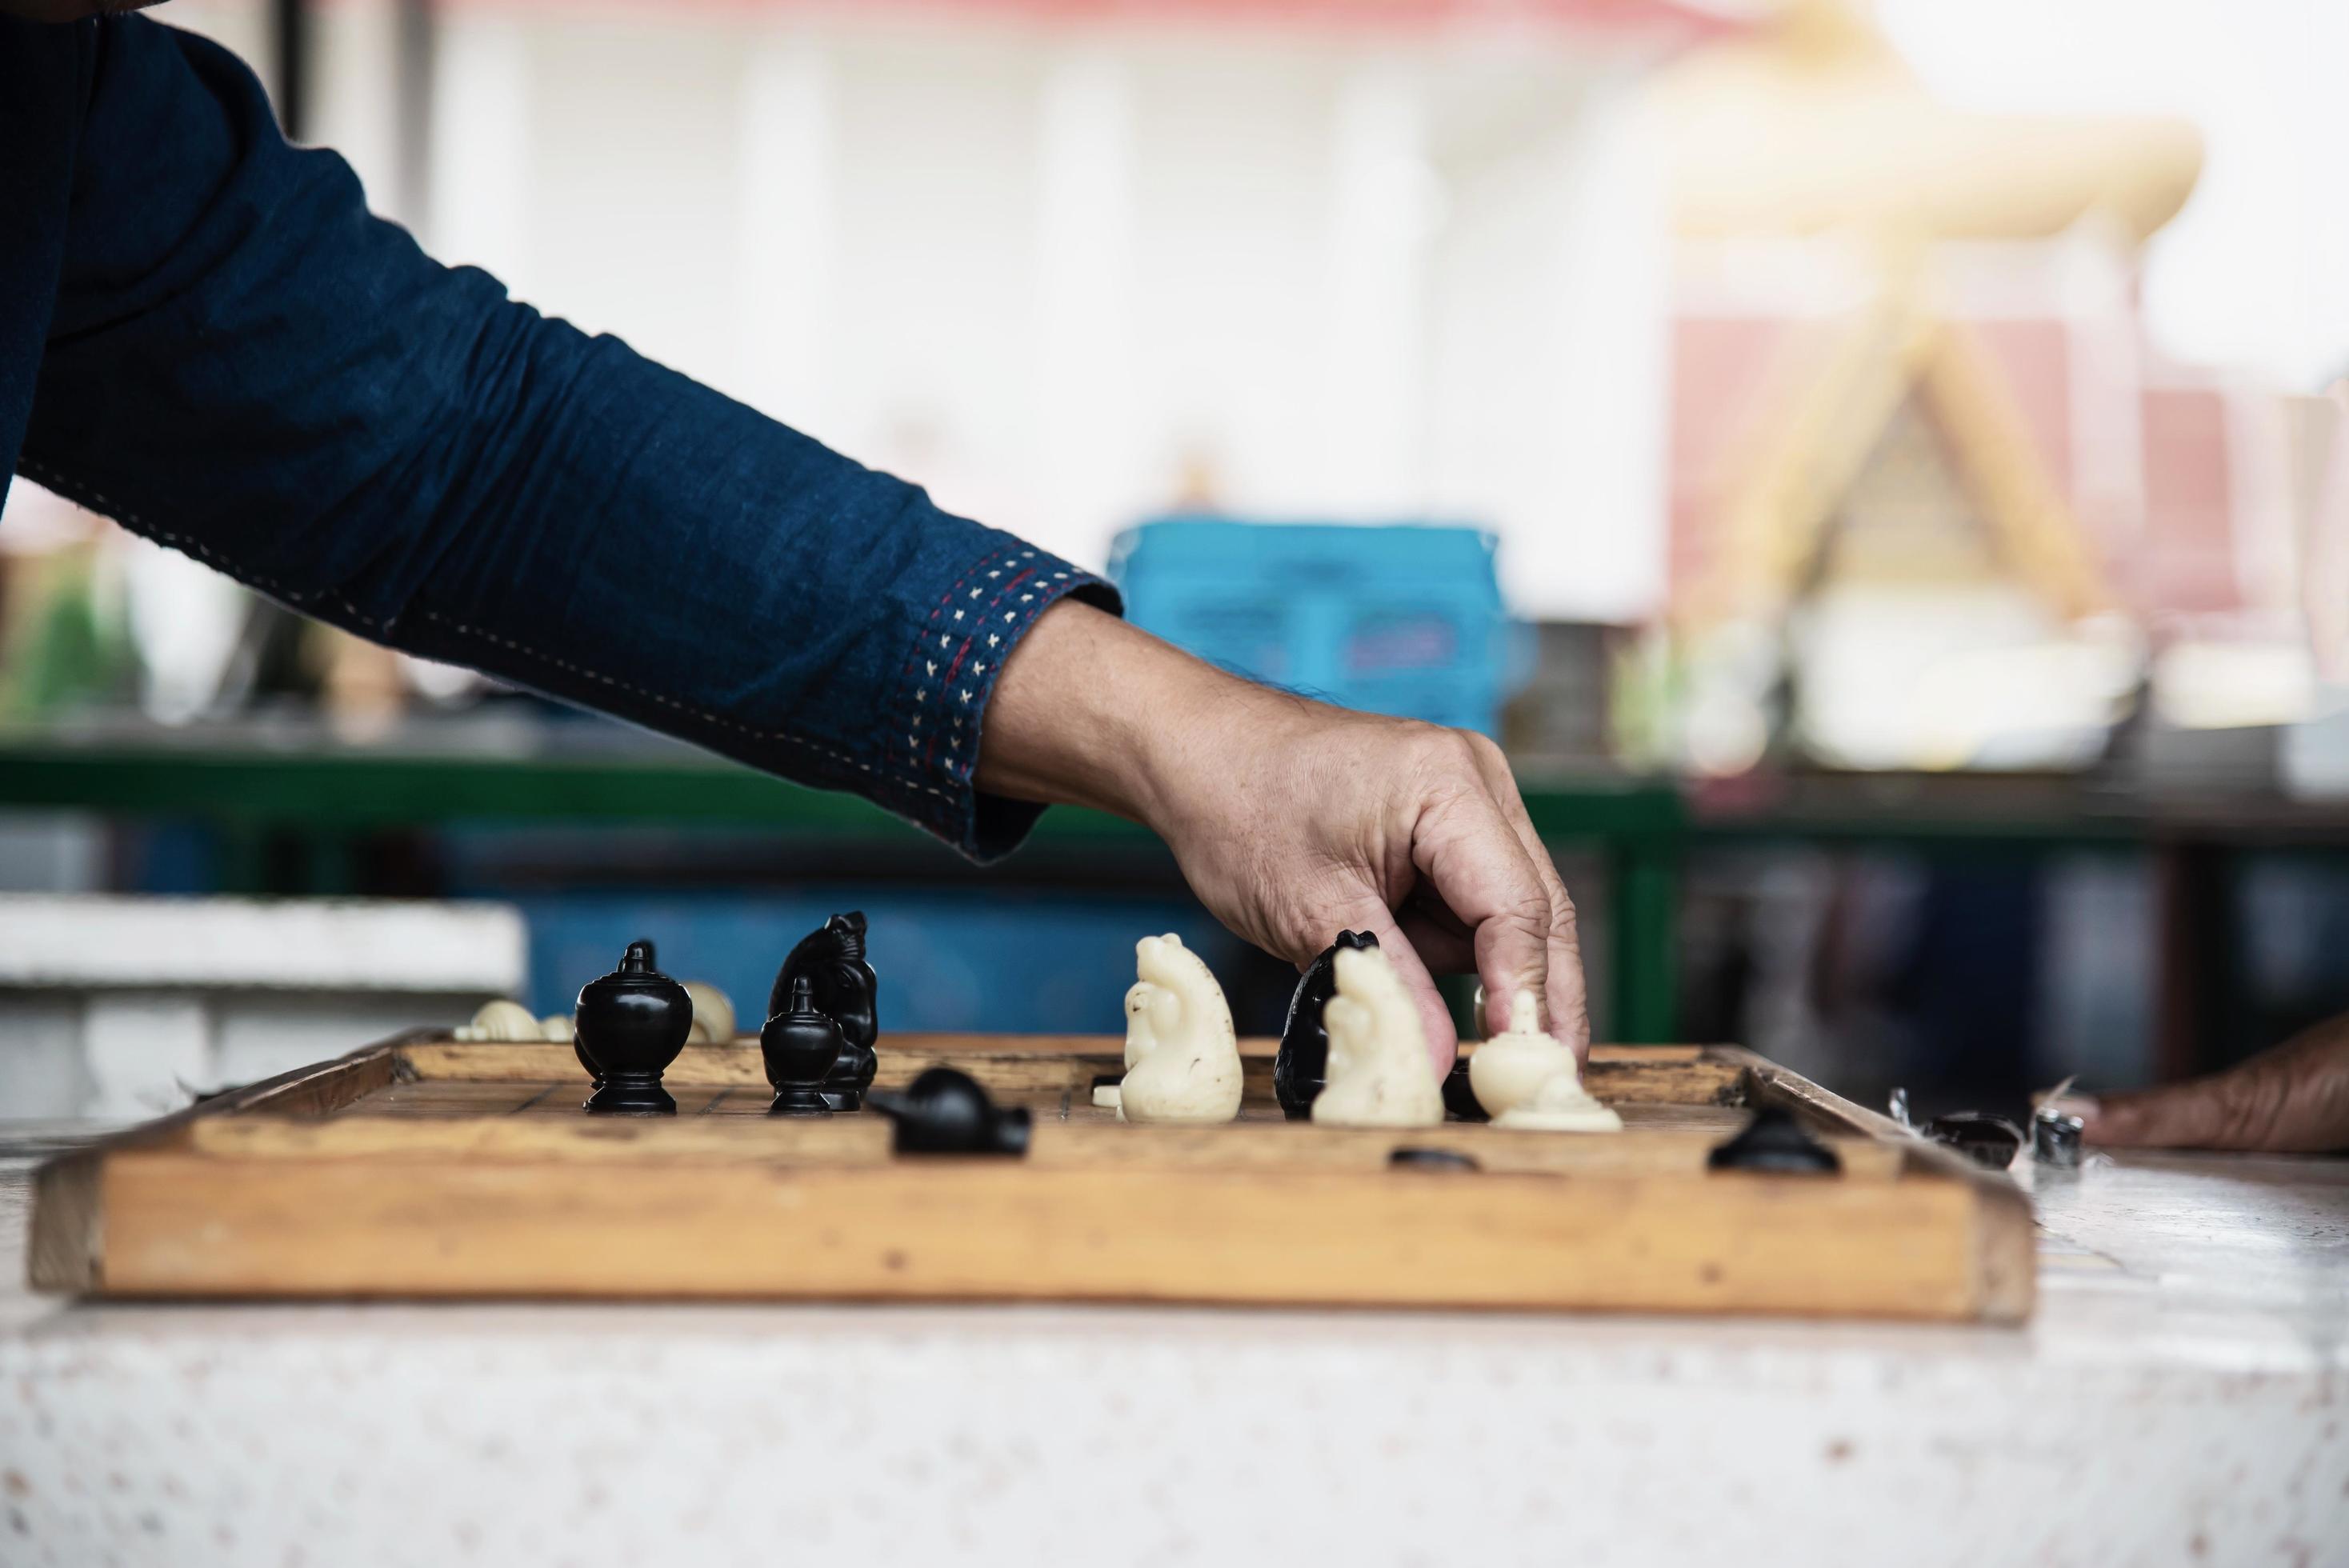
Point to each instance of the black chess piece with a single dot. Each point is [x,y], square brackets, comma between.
[945,1112]
[831,959]
[1775,1141]
[800,1046]
[1303,1064]
[1459,1097]
[579,1047]
[629,1026]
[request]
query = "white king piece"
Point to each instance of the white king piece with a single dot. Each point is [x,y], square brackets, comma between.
[1181,1059]
[1379,1075]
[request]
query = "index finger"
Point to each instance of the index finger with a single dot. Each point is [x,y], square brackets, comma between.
[1569,993]
[1469,854]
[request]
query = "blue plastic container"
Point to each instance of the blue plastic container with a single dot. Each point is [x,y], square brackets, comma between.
[1402,619]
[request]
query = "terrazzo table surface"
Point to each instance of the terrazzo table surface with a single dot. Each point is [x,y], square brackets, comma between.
[2180,1398]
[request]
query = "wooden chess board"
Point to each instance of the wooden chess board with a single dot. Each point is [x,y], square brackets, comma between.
[425,1168]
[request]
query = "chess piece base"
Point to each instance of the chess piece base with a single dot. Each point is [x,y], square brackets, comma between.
[631,1094]
[799,1100]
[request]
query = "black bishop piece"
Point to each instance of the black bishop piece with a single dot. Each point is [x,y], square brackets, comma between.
[629,1026]
[800,1046]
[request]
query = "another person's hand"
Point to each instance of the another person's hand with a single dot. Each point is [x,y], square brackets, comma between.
[2292,1099]
[1293,819]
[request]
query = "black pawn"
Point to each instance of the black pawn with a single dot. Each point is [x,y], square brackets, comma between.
[945,1112]
[629,1026]
[1302,1068]
[800,1046]
[1775,1141]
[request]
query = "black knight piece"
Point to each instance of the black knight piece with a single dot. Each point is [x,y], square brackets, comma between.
[831,960]
[947,1112]
[800,1046]
[629,1026]
[1303,1063]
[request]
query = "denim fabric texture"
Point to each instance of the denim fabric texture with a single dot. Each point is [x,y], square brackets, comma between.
[205,335]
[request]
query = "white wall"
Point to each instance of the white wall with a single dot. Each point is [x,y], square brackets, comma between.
[1066,275]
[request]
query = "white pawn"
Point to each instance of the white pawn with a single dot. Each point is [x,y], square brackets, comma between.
[1508,1070]
[1182,1060]
[1531,1083]
[1379,1073]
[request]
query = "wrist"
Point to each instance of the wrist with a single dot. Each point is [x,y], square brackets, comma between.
[1068,719]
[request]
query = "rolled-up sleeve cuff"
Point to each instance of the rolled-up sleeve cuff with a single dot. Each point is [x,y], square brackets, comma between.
[934,713]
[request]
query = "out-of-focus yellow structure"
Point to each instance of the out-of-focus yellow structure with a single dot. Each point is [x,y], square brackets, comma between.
[1934,500]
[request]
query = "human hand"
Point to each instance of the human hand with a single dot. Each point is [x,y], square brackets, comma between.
[1293,819]
[2292,1099]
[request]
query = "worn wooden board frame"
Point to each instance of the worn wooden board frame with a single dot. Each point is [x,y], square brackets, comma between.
[295,1188]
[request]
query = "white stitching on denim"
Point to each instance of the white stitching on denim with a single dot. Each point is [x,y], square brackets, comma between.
[97,500]
[686,708]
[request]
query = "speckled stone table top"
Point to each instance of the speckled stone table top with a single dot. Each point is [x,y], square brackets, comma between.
[2178,1398]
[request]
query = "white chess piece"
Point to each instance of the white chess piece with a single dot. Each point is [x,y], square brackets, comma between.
[500,1020]
[1562,1105]
[1508,1070]
[559,1027]
[713,1013]
[1183,1061]
[1529,1081]
[1379,1073]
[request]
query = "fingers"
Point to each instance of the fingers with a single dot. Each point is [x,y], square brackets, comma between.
[1479,849]
[1441,942]
[1568,995]
[2292,1099]
[2208,1113]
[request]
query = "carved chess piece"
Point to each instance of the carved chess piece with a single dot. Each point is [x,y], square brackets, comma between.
[1303,1063]
[799,1045]
[1560,1104]
[1529,1080]
[713,1013]
[847,991]
[579,1047]
[1182,1059]
[1379,1072]
[500,1020]
[630,1025]
[947,1112]
[1510,1067]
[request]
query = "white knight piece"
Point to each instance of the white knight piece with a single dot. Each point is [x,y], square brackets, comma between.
[1181,1059]
[1379,1075]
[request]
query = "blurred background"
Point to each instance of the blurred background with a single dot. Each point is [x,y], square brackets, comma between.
[1879,467]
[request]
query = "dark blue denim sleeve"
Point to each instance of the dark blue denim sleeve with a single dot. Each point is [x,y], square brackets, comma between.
[245,365]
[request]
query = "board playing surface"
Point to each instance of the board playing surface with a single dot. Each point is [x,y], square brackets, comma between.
[429,1168]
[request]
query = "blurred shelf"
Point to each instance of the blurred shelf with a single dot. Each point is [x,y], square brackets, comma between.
[301,777]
